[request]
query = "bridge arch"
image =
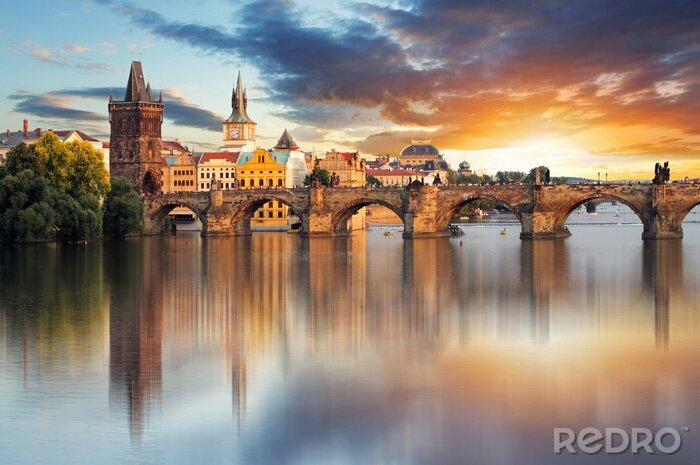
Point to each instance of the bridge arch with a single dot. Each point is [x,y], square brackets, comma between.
[563,212]
[244,211]
[445,215]
[340,218]
[156,212]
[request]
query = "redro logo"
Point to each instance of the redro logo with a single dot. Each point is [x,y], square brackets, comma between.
[617,441]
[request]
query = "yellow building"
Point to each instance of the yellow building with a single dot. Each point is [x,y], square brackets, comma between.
[260,170]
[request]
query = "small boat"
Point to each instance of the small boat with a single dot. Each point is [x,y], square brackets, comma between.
[388,233]
[292,231]
[503,232]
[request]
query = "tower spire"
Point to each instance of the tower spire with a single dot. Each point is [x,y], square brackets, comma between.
[239,103]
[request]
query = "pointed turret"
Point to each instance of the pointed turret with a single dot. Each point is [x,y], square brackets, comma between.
[239,104]
[136,89]
[286,142]
[160,96]
[148,92]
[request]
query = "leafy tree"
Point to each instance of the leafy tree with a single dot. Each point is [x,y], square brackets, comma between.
[452,177]
[373,181]
[87,170]
[508,177]
[55,158]
[323,175]
[26,207]
[20,158]
[123,210]
[78,217]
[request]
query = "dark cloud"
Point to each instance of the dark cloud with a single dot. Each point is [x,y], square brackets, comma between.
[484,69]
[60,105]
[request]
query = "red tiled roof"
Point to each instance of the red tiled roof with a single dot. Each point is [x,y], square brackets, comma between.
[172,145]
[231,157]
[105,145]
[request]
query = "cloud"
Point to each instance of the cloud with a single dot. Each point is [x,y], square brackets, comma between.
[69,56]
[66,104]
[490,72]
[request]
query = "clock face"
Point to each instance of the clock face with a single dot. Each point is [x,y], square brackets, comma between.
[235,133]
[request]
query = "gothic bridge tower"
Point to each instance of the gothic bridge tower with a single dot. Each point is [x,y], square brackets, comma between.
[135,135]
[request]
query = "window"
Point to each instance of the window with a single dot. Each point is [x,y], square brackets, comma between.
[242,182]
[270,204]
[279,214]
[279,182]
[260,214]
[262,183]
[269,214]
[279,204]
[269,182]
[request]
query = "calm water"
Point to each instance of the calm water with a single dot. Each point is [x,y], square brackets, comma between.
[273,349]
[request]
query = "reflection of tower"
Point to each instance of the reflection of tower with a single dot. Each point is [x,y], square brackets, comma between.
[663,270]
[135,332]
[543,270]
[239,384]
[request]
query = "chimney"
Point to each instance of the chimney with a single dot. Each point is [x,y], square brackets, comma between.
[26,127]
[8,133]
[37,132]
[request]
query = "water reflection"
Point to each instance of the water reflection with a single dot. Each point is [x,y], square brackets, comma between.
[360,349]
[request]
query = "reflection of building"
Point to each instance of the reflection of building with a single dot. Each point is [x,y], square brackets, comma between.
[219,165]
[422,154]
[239,129]
[135,135]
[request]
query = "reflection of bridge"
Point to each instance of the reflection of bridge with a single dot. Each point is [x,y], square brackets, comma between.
[426,210]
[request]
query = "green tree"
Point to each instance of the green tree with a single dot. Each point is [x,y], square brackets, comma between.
[323,175]
[508,177]
[123,210]
[20,158]
[26,207]
[78,217]
[452,177]
[56,160]
[87,170]
[373,181]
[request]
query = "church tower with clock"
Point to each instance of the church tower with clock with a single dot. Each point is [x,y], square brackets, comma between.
[239,129]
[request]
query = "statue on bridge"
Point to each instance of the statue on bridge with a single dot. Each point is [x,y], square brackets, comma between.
[662,174]
[437,181]
[215,184]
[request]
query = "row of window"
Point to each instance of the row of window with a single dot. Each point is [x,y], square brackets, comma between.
[269,215]
[261,183]
[184,172]
[260,172]
[210,175]
[184,182]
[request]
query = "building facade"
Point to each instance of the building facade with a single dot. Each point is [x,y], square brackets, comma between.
[219,165]
[179,173]
[135,134]
[349,167]
[260,170]
[421,154]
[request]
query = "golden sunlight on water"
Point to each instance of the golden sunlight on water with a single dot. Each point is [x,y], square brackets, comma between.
[369,349]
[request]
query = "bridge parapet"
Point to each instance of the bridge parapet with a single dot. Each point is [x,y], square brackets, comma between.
[427,210]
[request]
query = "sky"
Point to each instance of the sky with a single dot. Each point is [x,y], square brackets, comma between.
[582,86]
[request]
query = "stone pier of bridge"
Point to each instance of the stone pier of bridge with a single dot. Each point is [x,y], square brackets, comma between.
[426,211]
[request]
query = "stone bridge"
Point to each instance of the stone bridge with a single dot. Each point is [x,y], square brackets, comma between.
[426,210]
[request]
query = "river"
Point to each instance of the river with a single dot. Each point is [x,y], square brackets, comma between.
[275,349]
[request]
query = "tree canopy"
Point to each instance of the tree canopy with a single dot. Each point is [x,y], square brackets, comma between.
[123,210]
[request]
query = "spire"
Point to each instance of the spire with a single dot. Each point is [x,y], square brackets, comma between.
[160,96]
[239,104]
[286,142]
[136,89]
[111,97]
[148,91]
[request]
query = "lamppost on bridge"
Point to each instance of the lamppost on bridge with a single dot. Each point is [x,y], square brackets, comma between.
[598,177]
